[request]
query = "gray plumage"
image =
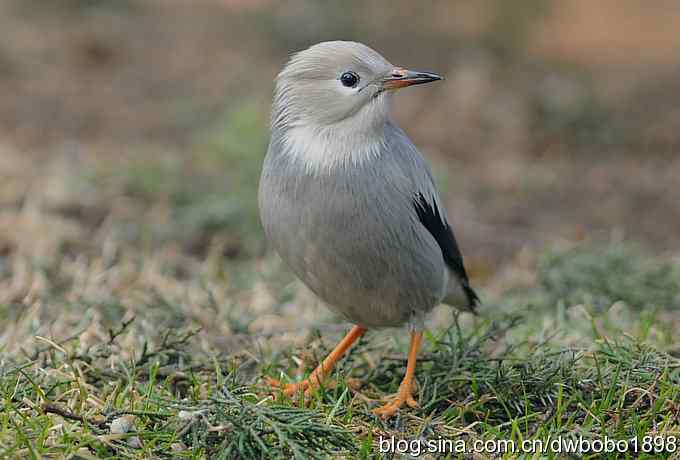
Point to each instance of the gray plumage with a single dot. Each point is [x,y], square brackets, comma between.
[346,198]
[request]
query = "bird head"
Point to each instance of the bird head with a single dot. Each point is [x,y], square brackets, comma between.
[339,82]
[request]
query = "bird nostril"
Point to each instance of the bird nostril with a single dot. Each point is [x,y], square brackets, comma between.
[396,75]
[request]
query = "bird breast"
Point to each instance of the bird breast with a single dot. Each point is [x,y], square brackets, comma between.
[352,236]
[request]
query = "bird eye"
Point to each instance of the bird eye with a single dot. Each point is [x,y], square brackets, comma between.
[349,79]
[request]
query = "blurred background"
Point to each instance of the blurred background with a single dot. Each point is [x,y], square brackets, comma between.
[132,134]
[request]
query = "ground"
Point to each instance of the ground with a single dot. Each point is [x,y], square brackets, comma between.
[140,309]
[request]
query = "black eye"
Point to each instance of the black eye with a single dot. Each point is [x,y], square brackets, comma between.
[349,79]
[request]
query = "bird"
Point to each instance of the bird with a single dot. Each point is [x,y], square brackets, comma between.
[351,206]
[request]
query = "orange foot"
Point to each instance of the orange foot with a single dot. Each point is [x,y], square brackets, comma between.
[408,384]
[293,389]
[403,396]
[317,377]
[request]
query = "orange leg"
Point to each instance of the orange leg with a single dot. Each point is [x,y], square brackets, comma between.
[408,384]
[323,369]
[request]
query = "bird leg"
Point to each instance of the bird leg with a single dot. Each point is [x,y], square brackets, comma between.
[408,384]
[315,379]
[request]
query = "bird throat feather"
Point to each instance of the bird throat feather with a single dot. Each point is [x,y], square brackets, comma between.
[321,150]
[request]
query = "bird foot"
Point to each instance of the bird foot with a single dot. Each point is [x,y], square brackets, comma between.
[403,396]
[306,386]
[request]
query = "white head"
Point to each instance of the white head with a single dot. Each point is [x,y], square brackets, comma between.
[337,91]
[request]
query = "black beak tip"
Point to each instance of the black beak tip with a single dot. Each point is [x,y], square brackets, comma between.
[424,77]
[401,78]
[432,76]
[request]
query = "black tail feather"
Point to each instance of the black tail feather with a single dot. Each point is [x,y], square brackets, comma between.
[472,297]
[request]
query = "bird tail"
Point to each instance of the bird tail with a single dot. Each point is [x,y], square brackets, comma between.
[462,297]
[472,298]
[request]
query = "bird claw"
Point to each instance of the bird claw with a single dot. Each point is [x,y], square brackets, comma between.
[288,389]
[403,396]
[306,386]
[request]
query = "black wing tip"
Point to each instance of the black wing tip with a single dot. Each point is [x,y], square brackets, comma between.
[431,218]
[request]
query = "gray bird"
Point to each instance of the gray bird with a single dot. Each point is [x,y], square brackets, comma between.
[350,204]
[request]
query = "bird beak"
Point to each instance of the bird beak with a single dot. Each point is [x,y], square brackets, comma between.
[401,78]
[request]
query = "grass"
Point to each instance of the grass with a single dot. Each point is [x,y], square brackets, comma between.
[621,273]
[67,399]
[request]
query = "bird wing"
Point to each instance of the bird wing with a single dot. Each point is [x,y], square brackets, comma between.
[431,213]
[431,218]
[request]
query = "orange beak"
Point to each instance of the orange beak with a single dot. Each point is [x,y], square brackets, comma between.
[401,78]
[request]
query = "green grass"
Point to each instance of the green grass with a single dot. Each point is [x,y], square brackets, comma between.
[612,273]
[479,379]
[192,406]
